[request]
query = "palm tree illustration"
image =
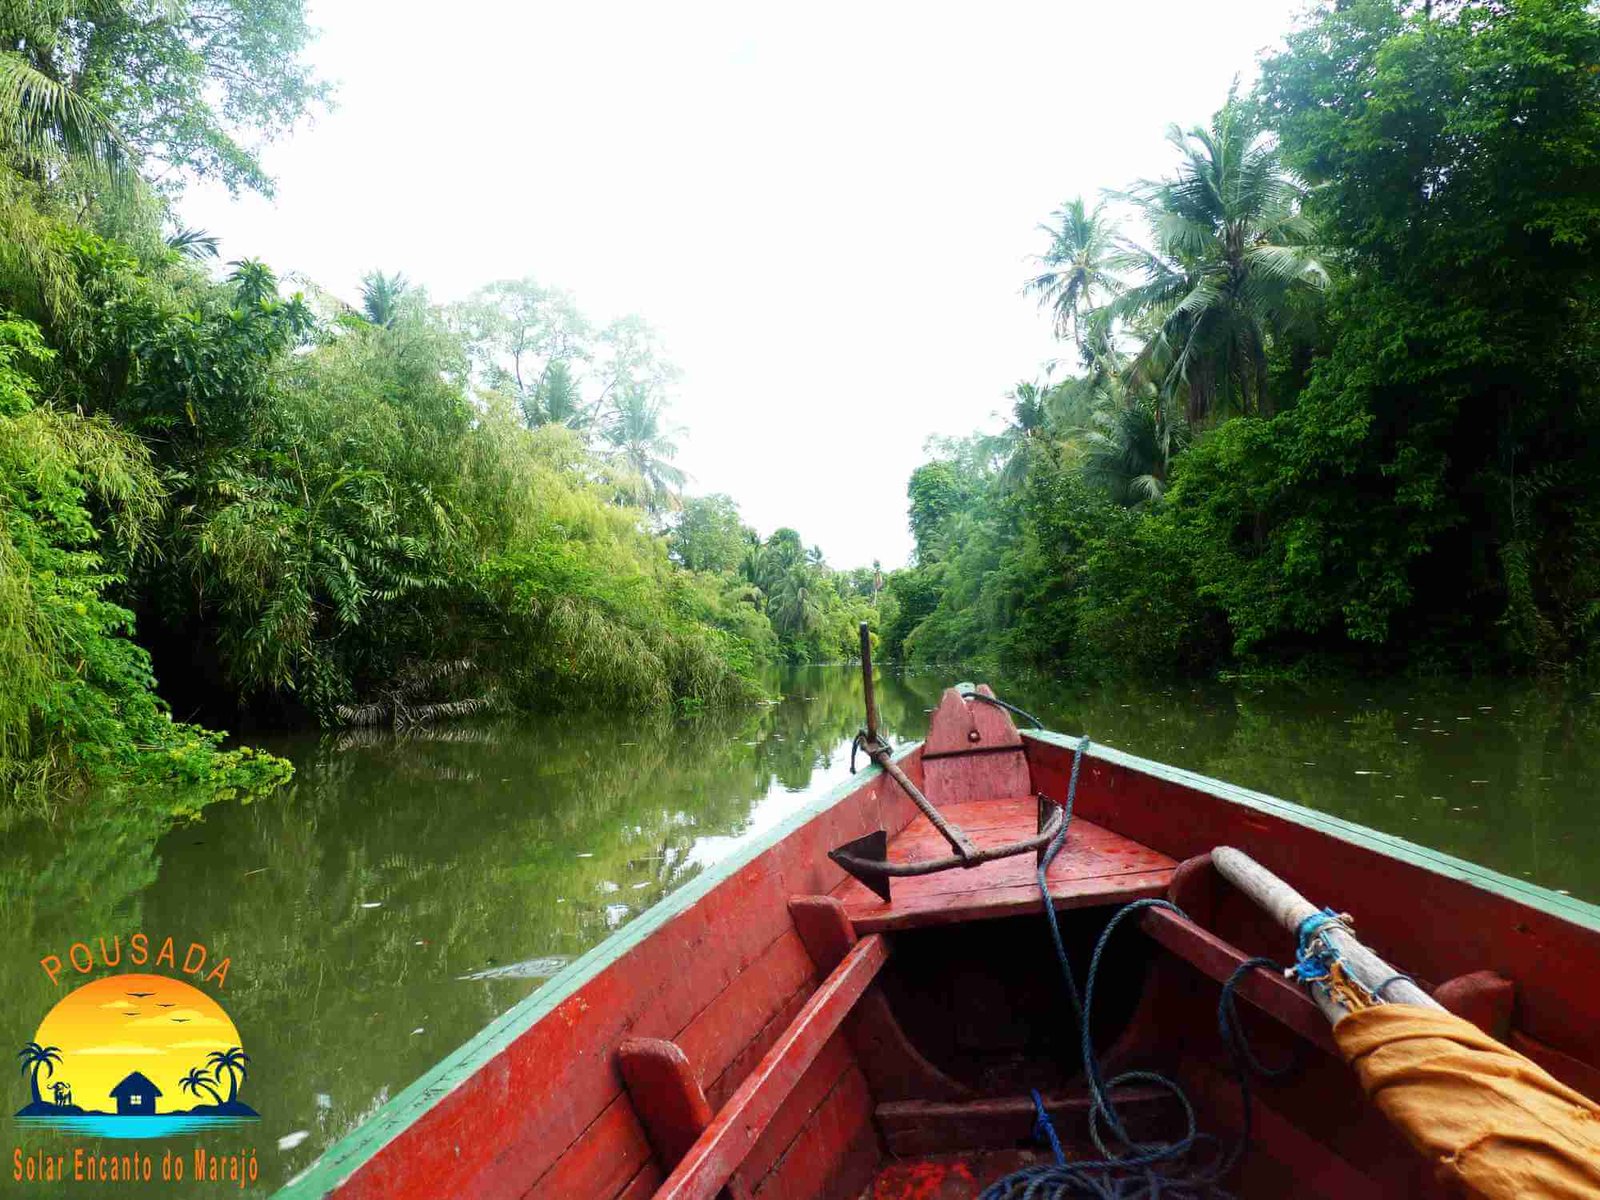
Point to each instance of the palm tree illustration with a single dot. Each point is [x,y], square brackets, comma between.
[36,1058]
[197,1079]
[232,1061]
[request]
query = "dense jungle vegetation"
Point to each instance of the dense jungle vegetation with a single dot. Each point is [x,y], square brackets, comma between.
[1331,397]
[287,507]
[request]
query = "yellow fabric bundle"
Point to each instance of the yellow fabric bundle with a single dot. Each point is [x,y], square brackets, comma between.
[1492,1121]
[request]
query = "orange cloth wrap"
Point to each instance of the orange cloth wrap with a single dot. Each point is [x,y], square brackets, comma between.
[1490,1120]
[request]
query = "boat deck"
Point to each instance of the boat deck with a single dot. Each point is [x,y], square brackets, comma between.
[1095,867]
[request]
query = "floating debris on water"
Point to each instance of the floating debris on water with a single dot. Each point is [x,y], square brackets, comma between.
[416,1031]
[372,904]
[531,968]
[643,884]
[290,1140]
[585,854]
[616,914]
[607,887]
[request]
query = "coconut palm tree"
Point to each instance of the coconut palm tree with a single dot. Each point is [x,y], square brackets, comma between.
[382,296]
[1131,442]
[44,123]
[558,401]
[1077,277]
[197,1079]
[36,1058]
[233,1060]
[643,444]
[1026,434]
[1230,267]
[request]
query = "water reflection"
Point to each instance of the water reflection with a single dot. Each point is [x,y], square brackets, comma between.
[405,891]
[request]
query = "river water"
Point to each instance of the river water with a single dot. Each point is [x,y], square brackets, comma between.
[403,891]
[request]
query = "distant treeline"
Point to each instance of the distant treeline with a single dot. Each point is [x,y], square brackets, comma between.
[284,507]
[1330,393]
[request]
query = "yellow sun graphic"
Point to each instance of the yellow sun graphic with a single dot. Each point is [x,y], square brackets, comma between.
[157,1026]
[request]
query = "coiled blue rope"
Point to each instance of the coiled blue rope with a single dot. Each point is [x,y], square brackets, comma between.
[1189,1166]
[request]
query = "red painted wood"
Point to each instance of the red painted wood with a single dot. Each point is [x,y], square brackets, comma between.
[1467,929]
[509,1122]
[955,721]
[1484,998]
[719,1151]
[641,1187]
[918,1127]
[1272,994]
[835,1154]
[1316,1170]
[739,1013]
[1573,1072]
[824,929]
[1010,901]
[894,1067]
[670,1105]
[604,1160]
[725,1084]
[814,1088]
[1095,866]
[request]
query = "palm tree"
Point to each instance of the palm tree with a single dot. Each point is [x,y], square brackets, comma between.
[382,296]
[197,1079]
[43,122]
[1231,267]
[36,1058]
[643,444]
[558,401]
[1077,268]
[231,1060]
[1025,435]
[1130,444]
[195,244]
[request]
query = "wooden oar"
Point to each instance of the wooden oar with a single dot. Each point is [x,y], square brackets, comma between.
[1290,909]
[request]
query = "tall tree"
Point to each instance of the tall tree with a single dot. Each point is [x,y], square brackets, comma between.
[1077,277]
[644,445]
[382,296]
[1230,266]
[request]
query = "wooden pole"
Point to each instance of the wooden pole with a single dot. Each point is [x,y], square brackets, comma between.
[1289,908]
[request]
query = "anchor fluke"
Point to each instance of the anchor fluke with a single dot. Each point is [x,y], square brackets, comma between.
[864,858]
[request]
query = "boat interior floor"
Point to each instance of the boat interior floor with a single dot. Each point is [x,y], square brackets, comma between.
[1096,867]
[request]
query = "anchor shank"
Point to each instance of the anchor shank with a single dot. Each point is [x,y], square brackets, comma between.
[952,833]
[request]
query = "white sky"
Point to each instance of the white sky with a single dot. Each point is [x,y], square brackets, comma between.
[827,210]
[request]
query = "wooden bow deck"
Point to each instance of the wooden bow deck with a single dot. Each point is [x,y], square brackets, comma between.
[1095,867]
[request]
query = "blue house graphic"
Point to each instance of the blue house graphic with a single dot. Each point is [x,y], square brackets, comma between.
[135,1096]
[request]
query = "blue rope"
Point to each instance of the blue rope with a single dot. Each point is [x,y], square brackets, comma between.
[1312,958]
[1129,1169]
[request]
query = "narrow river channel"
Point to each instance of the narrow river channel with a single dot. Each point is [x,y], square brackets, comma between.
[406,890]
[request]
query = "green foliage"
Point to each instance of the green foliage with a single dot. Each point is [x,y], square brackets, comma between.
[176,85]
[1341,405]
[79,704]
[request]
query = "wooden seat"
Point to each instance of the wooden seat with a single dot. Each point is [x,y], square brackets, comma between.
[1095,867]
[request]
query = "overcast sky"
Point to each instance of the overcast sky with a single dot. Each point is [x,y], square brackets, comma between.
[826,210]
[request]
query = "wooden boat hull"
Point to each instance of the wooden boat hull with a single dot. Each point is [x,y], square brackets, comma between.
[919,1085]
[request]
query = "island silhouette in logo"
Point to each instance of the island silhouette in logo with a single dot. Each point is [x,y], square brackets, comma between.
[135,1056]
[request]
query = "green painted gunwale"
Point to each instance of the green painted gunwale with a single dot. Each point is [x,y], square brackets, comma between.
[351,1152]
[1578,912]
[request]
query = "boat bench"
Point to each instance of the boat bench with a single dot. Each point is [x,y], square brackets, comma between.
[703,1149]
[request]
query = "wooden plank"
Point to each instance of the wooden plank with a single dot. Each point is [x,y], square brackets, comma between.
[669,1102]
[815,1086]
[724,1085]
[500,1111]
[956,907]
[835,1155]
[738,1014]
[714,1157]
[894,1067]
[1266,990]
[1477,918]
[603,1161]
[974,777]
[918,1127]
[641,1187]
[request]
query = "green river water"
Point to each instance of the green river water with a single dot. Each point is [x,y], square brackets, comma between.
[403,891]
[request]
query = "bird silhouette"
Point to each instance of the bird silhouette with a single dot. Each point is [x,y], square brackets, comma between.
[135,1013]
[139,995]
[180,1020]
[159,1004]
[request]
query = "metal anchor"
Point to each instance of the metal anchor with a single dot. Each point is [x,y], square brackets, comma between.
[866,858]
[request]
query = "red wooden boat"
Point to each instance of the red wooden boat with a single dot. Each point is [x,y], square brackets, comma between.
[776,1029]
